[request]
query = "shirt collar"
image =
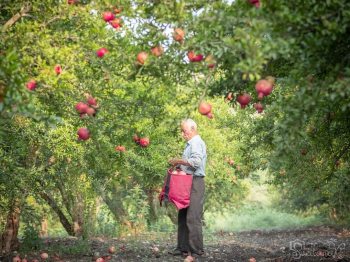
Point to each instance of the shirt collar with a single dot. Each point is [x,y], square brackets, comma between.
[192,139]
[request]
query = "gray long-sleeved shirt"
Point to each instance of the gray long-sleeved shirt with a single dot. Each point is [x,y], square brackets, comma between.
[196,154]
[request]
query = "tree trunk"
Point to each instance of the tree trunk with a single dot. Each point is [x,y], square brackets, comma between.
[10,240]
[78,215]
[64,221]
[0,234]
[44,229]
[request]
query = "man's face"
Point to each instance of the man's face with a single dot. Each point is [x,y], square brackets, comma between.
[187,131]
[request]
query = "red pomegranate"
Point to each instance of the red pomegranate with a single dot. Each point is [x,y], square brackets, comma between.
[259,107]
[244,100]
[83,134]
[263,88]
[101,52]
[204,108]
[196,58]
[210,61]
[116,23]
[90,111]
[108,16]
[178,34]
[141,57]
[81,107]
[144,141]
[210,115]
[31,84]
[92,101]
[122,149]
[58,70]
[180,172]
[136,138]
[157,51]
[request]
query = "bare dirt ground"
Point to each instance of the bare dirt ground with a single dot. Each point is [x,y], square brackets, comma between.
[293,244]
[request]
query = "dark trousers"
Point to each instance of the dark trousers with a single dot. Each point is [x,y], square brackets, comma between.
[189,234]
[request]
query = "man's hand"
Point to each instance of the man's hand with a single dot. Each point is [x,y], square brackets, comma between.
[178,161]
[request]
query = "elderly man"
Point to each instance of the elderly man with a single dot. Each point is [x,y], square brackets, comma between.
[190,237]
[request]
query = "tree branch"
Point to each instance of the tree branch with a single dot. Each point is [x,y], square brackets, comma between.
[17,16]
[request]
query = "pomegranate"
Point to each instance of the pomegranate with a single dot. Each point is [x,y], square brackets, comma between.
[180,172]
[210,61]
[16,259]
[141,57]
[204,108]
[193,58]
[100,259]
[90,111]
[157,51]
[116,23]
[24,260]
[107,16]
[303,152]
[117,148]
[83,134]
[92,101]
[122,149]
[58,70]
[231,162]
[244,100]
[263,88]
[144,141]
[259,107]
[101,52]
[271,79]
[117,10]
[252,259]
[178,34]
[255,2]
[134,182]
[74,2]
[136,138]
[81,107]
[174,172]
[112,250]
[31,84]
[108,257]
[210,115]
[229,97]
[44,256]
[155,249]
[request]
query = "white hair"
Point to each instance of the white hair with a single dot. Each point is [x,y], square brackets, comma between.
[191,122]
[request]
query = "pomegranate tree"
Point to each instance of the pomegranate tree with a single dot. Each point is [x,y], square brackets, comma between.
[244,100]
[263,88]
[204,108]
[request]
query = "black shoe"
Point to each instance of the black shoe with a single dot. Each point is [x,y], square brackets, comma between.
[178,252]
